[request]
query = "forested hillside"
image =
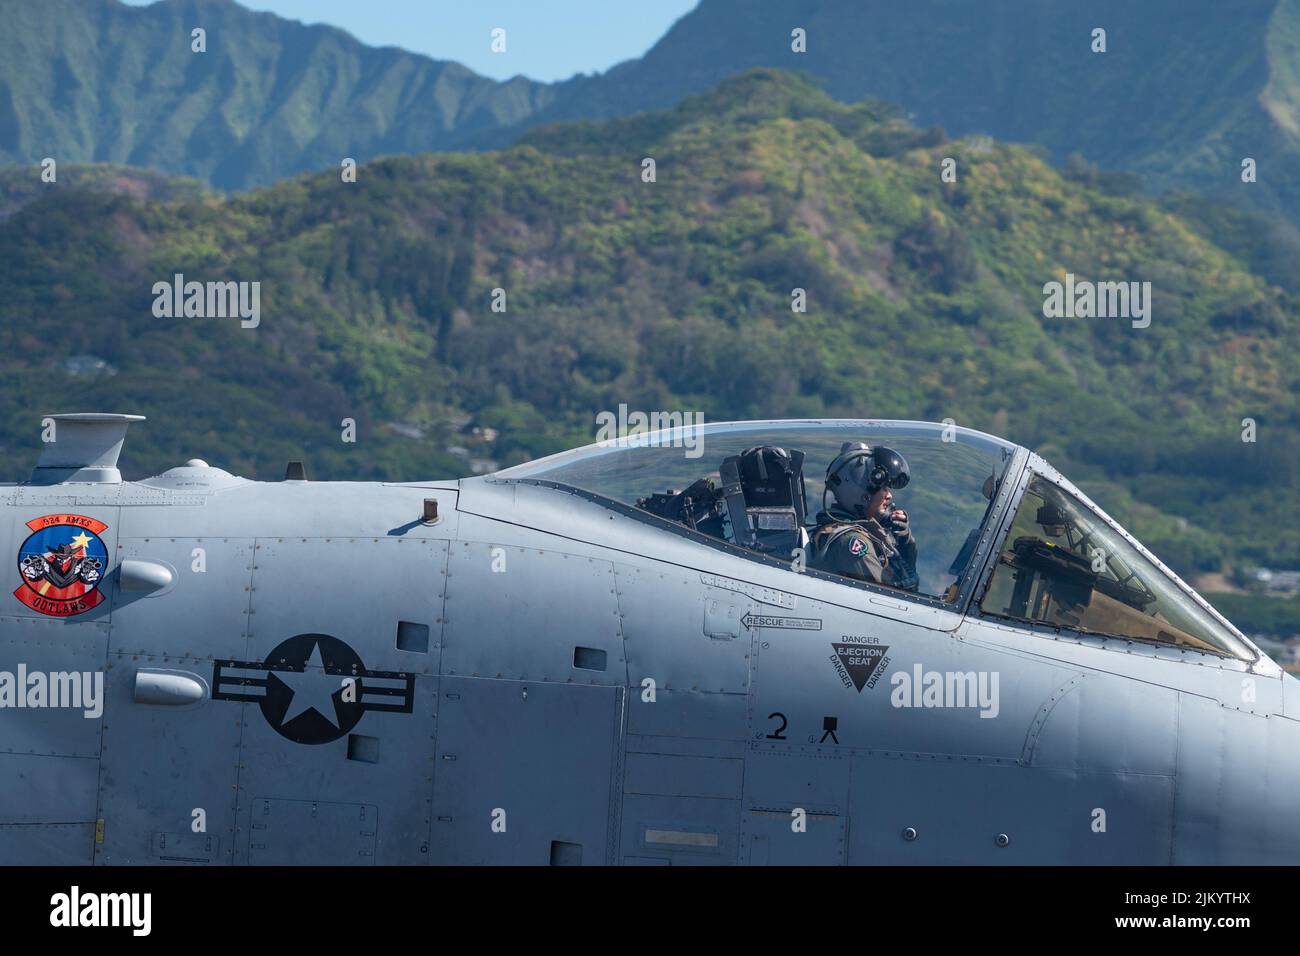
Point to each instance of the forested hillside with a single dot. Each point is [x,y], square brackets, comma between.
[924,300]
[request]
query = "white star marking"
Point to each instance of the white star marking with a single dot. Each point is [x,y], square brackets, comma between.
[311,690]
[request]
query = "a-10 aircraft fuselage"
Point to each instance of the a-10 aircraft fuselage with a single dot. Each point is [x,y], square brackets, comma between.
[515,669]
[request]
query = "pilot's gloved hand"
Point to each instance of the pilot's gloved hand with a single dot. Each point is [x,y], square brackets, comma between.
[899,525]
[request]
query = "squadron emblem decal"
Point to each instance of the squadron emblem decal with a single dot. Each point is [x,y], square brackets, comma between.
[61,565]
[313,688]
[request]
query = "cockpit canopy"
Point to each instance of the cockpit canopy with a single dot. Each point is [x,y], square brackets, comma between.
[946,498]
[1062,566]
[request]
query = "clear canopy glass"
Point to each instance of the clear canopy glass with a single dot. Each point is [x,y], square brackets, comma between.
[946,498]
[1064,566]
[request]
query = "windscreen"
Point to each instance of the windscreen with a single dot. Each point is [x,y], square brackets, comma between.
[1063,565]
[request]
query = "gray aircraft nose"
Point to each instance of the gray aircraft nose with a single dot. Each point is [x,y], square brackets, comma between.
[1237,795]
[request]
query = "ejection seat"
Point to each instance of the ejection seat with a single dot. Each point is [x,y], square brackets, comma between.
[757,502]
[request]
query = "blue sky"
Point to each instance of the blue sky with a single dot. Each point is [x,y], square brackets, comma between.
[545,39]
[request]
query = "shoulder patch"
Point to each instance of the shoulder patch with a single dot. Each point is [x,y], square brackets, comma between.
[857,545]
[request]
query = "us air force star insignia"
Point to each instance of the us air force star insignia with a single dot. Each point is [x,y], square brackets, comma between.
[311,689]
[300,688]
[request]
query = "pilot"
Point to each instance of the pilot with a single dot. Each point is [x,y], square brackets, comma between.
[863,535]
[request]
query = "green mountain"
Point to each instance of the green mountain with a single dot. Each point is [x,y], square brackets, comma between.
[99,81]
[1185,90]
[925,300]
